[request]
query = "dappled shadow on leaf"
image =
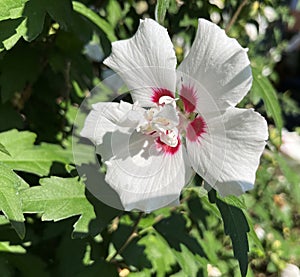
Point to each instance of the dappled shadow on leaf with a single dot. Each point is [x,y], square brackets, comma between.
[22,265]
[134,253]
[198,213]
[104,215]
[100,268]
[8,29]
[174,231]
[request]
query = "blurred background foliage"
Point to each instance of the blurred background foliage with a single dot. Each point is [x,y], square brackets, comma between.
[51,55]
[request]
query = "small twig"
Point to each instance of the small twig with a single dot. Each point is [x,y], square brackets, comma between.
[133,235]
[236,15]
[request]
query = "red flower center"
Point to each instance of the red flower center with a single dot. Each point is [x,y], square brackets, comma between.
[195,129]
[159,92]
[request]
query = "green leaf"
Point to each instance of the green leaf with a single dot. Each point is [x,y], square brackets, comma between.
[25,156]
[96,19]
[27,18]
[12,67]
[100,268]
[57,199]
[236,226]
[173,229]
[234,201]
[15,119]
[134,253]
[114,12]
[25,265]
[263,87]
[60,11]
[160,10]
[3,149]
[158,253]
[192,265]
[8,34]
[11,9]
[6,247]
[10,202]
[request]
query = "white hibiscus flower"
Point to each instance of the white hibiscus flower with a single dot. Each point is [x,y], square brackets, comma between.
[182,121]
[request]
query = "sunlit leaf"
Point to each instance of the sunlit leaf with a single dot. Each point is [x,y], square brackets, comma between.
[30,16]
[192,265]
[5,246]
[57,199]
[25,156]
[3,149]
[11,9]
[10,202]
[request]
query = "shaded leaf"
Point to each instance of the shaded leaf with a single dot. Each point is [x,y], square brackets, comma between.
[100,268]
[104,215]
[175,233]
[96,19]
[134,253]
[15,119]
[57,199]
[236,226]
[24,264]
[12,67]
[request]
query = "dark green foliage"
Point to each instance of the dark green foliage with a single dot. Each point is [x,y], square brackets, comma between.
[51,225]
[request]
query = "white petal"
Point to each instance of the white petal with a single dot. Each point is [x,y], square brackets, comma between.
[144,177]
[103,118]
[145,61]
[219,64]
[227,155]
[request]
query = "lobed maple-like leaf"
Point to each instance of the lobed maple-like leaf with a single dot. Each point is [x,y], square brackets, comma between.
[25,156]
[59,198]
[10,202]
